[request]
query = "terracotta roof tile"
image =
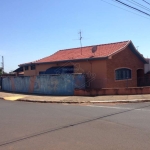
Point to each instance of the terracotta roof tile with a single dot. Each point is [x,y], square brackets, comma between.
[103,50]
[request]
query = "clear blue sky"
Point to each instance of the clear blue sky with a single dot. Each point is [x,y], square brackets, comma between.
[33,29]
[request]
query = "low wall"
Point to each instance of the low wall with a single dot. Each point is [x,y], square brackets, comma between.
[111,91]
[63,84]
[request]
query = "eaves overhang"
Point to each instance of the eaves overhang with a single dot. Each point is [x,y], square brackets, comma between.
[135,51]
[64,61]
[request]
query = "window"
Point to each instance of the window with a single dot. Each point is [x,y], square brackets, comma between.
[26,67]
[33,67]
[123,74]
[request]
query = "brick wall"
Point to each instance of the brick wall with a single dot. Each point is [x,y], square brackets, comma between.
[124,59]
[112,91]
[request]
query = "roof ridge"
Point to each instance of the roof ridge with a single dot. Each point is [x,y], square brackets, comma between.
[46,56]
[94,45]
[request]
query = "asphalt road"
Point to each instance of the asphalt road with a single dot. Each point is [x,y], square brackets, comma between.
[38,126]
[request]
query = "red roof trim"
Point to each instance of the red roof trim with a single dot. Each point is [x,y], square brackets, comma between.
[120,49]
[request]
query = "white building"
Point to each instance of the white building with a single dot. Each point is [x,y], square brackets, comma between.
[147,66]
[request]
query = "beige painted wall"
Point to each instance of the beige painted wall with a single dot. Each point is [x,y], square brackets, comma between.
[29,72]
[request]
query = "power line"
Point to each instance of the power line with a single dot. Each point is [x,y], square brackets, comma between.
[124,9]
[139,5]
[132,7]
[146,2]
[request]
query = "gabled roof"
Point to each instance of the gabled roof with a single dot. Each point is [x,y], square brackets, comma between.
[103,51]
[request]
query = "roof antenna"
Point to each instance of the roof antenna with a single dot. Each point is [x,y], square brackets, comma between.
[80,40]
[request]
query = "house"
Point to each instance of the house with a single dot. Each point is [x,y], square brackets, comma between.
[19,71]
[112,65]
[147,66]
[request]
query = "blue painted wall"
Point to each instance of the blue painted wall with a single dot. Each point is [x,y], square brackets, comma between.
[54,85]
[6,84]
[63,84]
[22,84]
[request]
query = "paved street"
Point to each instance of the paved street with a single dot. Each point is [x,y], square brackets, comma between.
[45,126]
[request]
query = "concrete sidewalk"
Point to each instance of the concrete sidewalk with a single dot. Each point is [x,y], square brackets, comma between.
[75,99]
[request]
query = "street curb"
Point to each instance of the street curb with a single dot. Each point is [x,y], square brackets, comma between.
[91,102]
[83,102]
[2,98]
[57,102]
[122,101]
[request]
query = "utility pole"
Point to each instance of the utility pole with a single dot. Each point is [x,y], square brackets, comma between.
[2,65]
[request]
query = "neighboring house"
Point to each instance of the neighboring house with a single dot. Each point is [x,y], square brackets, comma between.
[110,65]
[146,80]
[19,71]
[147,66]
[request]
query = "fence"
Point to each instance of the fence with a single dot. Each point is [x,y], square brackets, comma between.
[144,81]
[63,84]
[72,84]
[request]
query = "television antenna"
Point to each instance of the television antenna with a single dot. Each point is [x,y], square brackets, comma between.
[80,38]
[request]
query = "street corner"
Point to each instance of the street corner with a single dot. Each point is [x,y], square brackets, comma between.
[13,98]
